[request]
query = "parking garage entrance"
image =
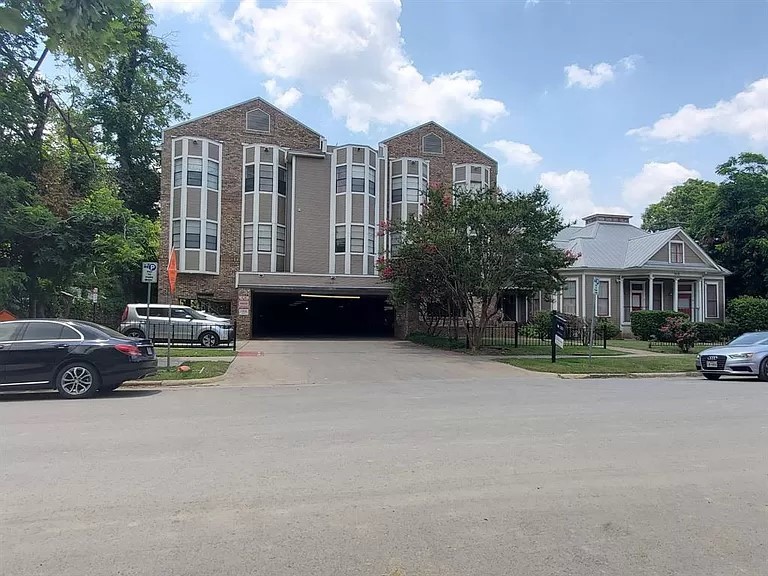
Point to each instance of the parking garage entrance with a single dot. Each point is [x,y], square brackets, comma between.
[319,315]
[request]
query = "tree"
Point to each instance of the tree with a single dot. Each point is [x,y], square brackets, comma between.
[130,98]
[679,207]
[472,245]
[733,227]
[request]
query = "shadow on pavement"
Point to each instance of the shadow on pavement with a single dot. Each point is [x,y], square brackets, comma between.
[51,395]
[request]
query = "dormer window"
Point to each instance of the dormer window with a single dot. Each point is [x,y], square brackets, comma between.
[257,120]
[676,253]
[432,144]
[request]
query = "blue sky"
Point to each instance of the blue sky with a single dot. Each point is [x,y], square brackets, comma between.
[608,104]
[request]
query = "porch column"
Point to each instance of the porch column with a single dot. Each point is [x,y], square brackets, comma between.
[674,295]
[650,292]
[621,299]
[700,300]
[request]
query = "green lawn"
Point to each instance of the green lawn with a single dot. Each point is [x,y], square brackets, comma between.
[643,345]
[193,351]
[624,365]
[197,370]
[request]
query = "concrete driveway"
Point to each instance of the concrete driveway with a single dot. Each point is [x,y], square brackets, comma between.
[321,361]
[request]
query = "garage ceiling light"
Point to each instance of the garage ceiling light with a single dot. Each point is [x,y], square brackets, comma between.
[330,296]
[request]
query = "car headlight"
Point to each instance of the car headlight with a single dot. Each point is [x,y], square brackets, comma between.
[741,355]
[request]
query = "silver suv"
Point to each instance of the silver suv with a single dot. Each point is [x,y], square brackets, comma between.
[186,325]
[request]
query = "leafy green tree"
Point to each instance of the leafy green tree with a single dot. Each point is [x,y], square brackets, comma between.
[679,207]
[733,226]
[475,244]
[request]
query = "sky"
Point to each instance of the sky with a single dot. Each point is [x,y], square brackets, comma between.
[608,104]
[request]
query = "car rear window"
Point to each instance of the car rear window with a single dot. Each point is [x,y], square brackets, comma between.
[7,331]
[101,332]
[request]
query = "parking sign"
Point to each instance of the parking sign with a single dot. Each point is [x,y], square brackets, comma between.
[149,272]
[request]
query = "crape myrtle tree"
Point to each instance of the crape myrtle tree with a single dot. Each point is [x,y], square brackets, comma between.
[468,246]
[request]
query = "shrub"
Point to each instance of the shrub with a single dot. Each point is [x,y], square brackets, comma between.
[647,323]
[681,331]
[607,329]
[749,313]
[542,325]
[709,332]
[437,341]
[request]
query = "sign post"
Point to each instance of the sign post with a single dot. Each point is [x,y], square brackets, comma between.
[149,277]
[172,272]
[94,299]
[558,334]
[595,293]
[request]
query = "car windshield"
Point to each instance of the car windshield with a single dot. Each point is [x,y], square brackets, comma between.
[195,314]
[751,339]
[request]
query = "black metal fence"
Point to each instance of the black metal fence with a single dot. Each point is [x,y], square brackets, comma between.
[183,333]
[521,335]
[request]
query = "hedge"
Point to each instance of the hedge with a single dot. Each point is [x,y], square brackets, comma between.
[646,324]
[749,313]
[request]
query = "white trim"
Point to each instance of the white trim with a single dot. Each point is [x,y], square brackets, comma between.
[643,291]
[669,248]
[622,320]
[706,300]
[584,296]
[560,300]
[332,223]
[293,212]
[597,299]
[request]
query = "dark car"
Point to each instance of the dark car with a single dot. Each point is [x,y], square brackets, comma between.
[74,357]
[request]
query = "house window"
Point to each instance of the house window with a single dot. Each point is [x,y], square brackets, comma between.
[213,175]
[341,179]
[356,240]
[265,178]
[248,238]
[676,253]
[257,120]
[371,181]
[397,189]
[472,176]
[371,240]
[413,190]
[604,298]
[177,171]
[394,242]
[264,243]
[282,180]
[194,172]
[713,301]
[569,297]
[211,236]
[358,179]
[658,296]
[280,239]
[192,235]
[250,177]
[176,234]
[432,144]
[341,238]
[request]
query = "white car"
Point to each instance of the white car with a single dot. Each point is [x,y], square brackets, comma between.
[185,325]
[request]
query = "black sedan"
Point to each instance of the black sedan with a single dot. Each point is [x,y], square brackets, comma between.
[74,357]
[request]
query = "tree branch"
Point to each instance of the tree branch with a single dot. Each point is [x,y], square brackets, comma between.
[39,63]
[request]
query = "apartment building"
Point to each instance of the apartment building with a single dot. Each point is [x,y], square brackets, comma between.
[279,229]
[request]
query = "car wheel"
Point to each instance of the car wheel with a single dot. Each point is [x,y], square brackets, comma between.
[78,380]
[763,374]
[134,333]
[712,376]
[209,339]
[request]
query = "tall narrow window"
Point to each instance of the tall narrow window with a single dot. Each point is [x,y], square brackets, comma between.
[341,239]
[265,178]
[282,181]
[177,171]
[211,236]
[194,171]
[248,238]
[250,178]
[280,239]
[176,234]
[569,297]
[192,236]
[397,189]
[358,179]
[356,240]
[213,175]
[265,238]
[414,191]
[371,181]
[713,301]
[676,253]
[341,179]
[371,240]
[603,298]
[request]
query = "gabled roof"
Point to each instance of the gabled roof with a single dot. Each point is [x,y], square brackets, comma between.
[257,100]
[619,246]
[435,125]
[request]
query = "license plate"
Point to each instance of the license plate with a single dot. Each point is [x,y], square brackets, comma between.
[711,363]
[150,351]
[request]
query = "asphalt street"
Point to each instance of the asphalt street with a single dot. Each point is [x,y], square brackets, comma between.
[499,476]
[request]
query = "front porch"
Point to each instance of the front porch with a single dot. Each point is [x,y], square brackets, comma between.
[696,297]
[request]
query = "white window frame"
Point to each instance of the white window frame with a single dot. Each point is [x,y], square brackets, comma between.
[644,295]
[269,118]
[485,170]
[717,299]
[597,305]
[442,144]
[682,251]
[576,296]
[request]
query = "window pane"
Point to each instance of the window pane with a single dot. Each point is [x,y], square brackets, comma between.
[602,291]
[248,238]
[280,239]
[712,303]
[177,172]
[358,185]
[265,178]
[358,171]
[213,175]
[211,236]
[43,331]
[249,178]
[413,191]
[265,238]
[341,239]
[356,242]
[192,236]
[282,182]
[371,181]
[397,189]
[194,172]
[371,240]
[341,179]
[176,234]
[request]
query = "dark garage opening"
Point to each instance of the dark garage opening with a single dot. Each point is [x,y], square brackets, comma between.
[319,315]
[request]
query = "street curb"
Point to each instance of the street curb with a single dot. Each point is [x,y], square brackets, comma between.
[170,383]
[627,375]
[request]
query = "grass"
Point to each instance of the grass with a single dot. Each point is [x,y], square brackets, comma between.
[663,348]
[196,352]
[506,350]
[624,365]
[208,369]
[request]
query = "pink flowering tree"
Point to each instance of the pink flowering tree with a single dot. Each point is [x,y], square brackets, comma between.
[468,246]
[680,331]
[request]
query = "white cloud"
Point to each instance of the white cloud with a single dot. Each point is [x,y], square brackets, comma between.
[352,53]
[189,7]
[653,181]
[531,2]
[572,190]
[746,114]
[598,74]
[515,153]
[283,99]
